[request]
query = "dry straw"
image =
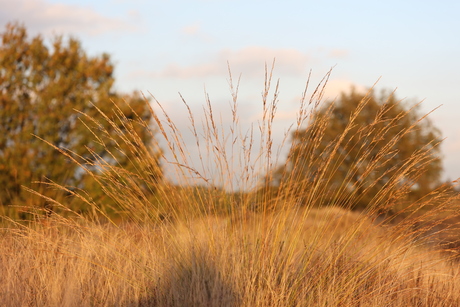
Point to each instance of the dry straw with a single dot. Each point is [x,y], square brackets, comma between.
[234,240]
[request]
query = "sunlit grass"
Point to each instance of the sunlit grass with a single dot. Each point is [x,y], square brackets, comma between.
[234,240]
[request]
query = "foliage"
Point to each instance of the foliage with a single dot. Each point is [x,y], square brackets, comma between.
[41,89]
[357,146]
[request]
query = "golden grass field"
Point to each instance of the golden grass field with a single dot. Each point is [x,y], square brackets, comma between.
[303,257]
[218,248]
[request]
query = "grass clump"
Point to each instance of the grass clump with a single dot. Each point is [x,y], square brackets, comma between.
[217,238]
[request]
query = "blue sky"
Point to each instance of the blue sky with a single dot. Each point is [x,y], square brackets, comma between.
[167,47]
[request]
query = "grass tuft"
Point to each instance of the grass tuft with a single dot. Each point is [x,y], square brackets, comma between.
[223,235]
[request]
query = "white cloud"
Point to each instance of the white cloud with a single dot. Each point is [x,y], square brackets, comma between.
[252,59]
[191,29]
[338,53]
[248,61]
[335,87]
[195,31]
[58,18]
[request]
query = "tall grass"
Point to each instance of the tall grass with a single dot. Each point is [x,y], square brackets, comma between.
[222,235]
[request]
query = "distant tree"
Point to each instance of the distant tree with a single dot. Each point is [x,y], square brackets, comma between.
[41,87]
[358,146]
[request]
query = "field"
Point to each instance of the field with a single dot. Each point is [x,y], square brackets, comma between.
[317,257]
[244,244]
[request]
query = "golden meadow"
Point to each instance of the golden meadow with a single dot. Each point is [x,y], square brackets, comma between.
[242,242]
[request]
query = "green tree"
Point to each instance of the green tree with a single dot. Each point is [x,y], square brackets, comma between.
[41,87]
[359,146]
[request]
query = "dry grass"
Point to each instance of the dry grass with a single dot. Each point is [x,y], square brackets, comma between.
[202,246]
[326,257]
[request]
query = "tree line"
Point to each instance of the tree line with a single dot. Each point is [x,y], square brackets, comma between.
[50,95]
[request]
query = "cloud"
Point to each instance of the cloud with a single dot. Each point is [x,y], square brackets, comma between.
[253,59]
[249,61]
[58,18]
[191,29]
[332,91]
[335,87]
[338,53]
[195,31]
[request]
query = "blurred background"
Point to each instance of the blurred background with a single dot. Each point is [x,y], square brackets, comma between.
[166,47]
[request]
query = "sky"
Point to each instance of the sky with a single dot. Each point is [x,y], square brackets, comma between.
[166,47]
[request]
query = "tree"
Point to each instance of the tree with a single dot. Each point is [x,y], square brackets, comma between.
[41,87]
[360,149]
